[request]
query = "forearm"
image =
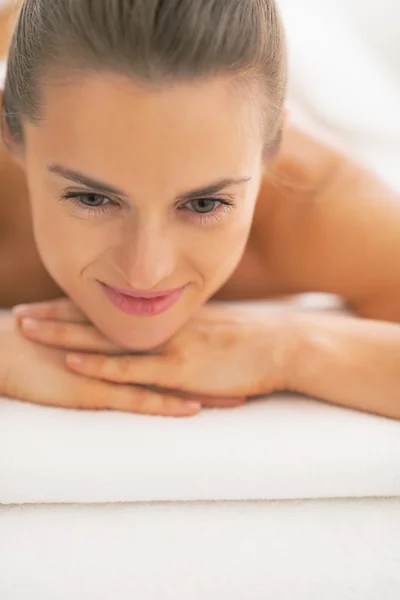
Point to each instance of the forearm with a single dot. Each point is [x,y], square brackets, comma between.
[6,327]
[347,361]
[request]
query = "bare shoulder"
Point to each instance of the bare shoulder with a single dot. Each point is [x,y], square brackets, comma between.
[22,275]
[289,189]
[339,232]
[293,198]
[12,190]
[325,223]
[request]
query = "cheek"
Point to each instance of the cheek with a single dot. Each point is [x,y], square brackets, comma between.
[232,243]
[215,253]
[65,244]
[62,241]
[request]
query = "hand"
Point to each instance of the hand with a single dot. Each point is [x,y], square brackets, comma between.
[221,352]
[38,374]
[60,325]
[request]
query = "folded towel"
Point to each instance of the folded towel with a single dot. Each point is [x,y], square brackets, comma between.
[279,448]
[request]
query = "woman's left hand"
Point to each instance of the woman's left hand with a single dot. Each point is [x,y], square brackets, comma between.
[221,351]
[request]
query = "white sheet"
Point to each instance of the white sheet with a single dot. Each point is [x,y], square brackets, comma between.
[344,82]
[297,550]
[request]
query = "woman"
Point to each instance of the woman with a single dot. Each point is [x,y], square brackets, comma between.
[149,138]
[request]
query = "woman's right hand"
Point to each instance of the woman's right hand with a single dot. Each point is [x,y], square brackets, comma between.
[36,373]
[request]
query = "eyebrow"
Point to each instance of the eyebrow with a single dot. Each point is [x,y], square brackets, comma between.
[101,186]
[213,188]
[88,182]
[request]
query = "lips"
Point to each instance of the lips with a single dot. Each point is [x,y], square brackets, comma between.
[141,304]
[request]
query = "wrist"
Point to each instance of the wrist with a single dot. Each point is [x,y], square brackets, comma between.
[302,351]
[281,342]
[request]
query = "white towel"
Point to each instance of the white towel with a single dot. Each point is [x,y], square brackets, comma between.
[280,448]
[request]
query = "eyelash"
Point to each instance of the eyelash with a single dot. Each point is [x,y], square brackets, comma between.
[73,198]
[223,206]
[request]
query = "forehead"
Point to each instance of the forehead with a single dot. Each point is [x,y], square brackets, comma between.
[111,126]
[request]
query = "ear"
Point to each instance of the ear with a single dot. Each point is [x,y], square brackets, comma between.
[8,139]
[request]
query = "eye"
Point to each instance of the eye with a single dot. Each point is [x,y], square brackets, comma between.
[91,199]
[89,204]
[207,210]
[203,205]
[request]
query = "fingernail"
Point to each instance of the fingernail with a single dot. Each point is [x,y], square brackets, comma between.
[30,324]
[20,309]
[194,405]
[74,359]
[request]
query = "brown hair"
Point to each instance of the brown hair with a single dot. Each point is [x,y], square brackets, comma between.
[154,41]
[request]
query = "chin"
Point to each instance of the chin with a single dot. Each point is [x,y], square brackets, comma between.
[138,339]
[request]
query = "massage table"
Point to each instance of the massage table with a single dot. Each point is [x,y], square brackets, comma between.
[285,498]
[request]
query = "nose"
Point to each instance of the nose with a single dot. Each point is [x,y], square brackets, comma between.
[146,258]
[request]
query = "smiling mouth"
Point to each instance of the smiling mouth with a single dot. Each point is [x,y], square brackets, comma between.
[141,304]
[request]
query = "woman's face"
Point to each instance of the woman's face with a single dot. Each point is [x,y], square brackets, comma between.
[142,198]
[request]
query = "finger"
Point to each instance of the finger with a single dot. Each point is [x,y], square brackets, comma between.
[72,336]
[142,370]
[216,402]
[58,310]
[104,396]
[149,401]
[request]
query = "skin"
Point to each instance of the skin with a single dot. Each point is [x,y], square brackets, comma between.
[148,237]
[311,220]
